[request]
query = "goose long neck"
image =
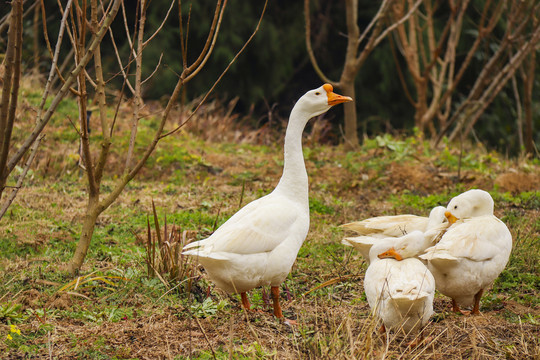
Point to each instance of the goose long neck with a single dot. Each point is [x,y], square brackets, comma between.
[294,181]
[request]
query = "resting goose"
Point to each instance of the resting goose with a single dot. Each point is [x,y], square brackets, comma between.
[399,287]
[258,245]
[473,251]
[373,229]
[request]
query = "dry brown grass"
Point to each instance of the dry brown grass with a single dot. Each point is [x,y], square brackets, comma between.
[334,321]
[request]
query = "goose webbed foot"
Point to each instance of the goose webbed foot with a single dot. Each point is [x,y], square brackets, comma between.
[277,307]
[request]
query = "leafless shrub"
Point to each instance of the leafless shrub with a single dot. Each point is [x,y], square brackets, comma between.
[164,257]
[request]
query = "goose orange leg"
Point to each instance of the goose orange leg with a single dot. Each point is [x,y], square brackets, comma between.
[476,307]
[277,308]
[455,308]
[245,302]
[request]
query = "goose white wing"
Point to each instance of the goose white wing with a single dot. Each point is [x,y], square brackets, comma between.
[362,243]
[477,239]
[258,227]
[395,225]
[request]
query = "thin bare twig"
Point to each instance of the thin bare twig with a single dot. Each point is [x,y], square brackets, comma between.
[22,176]
[221,76]
[42,121]
[311,54]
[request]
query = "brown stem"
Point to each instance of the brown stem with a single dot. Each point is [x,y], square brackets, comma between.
[311,55]
[137,95]
[102,103]
[89,222]
[528,85]
[499,81]
[351,130]
[10,89]
[42,121]
[20,180]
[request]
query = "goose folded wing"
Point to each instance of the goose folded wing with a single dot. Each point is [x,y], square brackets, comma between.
[260,230]
[395,225]
[475,240]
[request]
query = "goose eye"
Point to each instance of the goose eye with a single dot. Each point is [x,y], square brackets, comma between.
[317,93]
[455,207]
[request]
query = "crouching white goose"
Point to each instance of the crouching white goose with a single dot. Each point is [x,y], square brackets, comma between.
[399,287]
[373,229]
[258,245]
[473,251]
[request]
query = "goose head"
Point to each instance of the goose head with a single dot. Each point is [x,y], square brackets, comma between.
[469,204]
[318,101]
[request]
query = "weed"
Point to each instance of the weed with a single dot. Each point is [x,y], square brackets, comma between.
[11,313]
[207,308]
[164,258]
[318,206]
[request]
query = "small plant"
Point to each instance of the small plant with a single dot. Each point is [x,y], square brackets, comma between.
[10,313]
[164,257]
[14,338]
[207,308]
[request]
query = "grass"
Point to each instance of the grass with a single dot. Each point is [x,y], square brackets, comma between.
[117,311]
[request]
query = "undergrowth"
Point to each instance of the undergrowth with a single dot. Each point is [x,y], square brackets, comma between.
[119,308]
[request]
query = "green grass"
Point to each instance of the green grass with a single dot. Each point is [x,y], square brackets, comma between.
[196,188]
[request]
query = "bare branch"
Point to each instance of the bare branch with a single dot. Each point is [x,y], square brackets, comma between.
[137,95]
[221,76]
[102,103]
[310,49]
[155,69]
[55,57]
[160,26]
[194,70]
[392,27]
[210,39]
[10,88]
[120,65]
[500,80]
[22,176]
[42,121]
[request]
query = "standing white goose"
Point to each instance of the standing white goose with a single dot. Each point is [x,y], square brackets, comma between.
[373,229]
[258,245]
[399,287]
[473,251]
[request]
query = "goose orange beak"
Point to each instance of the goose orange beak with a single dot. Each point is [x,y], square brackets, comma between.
[333,98]
[391,253]
[451,218]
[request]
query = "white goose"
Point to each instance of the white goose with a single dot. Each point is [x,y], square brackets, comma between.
[473,251]
[258,245]
[399,287]
[373,229]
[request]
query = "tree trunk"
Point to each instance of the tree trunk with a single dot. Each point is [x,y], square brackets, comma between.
[351,124]
[92,213]
[527,103]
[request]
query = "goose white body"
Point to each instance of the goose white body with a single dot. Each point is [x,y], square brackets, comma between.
[473,251]
[400,292]
[469,257]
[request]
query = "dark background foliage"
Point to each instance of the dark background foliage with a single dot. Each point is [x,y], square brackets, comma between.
[275,70]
